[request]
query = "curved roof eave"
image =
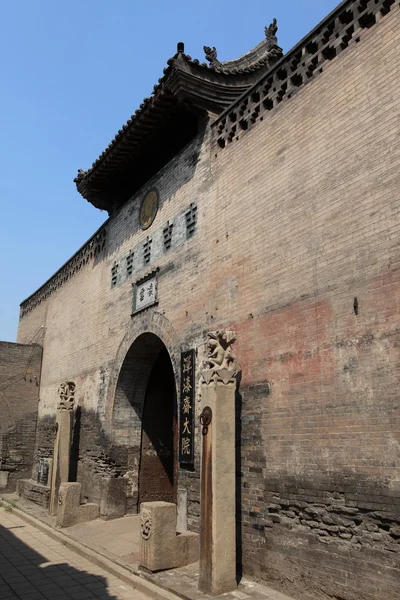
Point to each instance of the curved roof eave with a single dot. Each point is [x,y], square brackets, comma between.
[186,86]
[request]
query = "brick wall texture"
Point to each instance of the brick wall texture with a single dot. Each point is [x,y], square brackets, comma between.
[295,220]
[19,394]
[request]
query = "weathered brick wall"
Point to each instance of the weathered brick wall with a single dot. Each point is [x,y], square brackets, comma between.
[99,315]
[19,394]
[295,220]
[310,201]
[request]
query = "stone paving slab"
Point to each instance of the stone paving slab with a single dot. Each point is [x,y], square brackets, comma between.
[118,537]
[101,538]
[35,567]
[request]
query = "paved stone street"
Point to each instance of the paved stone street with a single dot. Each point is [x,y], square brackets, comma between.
[117,541]
[35,567]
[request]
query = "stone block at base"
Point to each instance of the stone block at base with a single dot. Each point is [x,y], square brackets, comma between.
[113,497]
[188,547]
[70,510]
[160,546]
[4,479]
[35,492]
[86,512]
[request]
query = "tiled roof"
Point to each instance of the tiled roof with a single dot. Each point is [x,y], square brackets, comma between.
[186,86]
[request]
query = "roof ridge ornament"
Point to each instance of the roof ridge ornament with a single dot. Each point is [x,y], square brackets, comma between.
[80,176]
[186,84]
[267,51]
[211,55]
[270,34]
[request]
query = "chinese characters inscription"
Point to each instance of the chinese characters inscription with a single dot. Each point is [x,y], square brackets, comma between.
[186,429]
[144,294]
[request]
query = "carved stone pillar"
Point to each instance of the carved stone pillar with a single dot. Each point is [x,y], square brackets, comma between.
[62,442]
[218,524]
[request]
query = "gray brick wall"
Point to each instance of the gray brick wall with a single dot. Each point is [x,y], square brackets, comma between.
[19,394]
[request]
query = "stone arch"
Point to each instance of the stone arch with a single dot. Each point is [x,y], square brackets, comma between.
[145,374]
[149,322]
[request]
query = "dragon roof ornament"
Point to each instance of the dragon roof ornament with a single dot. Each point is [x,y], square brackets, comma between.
[266,52]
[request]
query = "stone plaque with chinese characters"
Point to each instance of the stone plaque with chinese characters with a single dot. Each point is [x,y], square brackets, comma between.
[186,421]
[144,294]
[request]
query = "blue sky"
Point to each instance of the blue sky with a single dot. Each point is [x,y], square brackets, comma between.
[72,72]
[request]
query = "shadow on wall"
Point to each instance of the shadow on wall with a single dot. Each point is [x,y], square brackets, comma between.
[44,445]
[20,366]
[96,463]
[146,378]
[106,460]
[238,468]
[24,574]
[96,460]
[76,435]
[16,450]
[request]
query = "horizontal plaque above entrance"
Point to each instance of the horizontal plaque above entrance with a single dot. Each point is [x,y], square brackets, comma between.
[144,293]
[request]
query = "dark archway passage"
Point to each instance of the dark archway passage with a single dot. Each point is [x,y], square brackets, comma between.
[144,423]
[157,476]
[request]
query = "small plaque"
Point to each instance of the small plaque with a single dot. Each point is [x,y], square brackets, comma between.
[144,294]
[148,209]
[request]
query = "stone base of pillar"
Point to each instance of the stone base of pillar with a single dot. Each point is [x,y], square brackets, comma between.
[160,546]
[70,510]
[4,475]
[113,497]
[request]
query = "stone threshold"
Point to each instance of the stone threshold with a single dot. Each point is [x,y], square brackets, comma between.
[173,584]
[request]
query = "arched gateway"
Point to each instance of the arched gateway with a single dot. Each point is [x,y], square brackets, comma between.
[144,421]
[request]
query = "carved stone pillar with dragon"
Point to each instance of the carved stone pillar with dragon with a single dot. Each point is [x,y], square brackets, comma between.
[217,529]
